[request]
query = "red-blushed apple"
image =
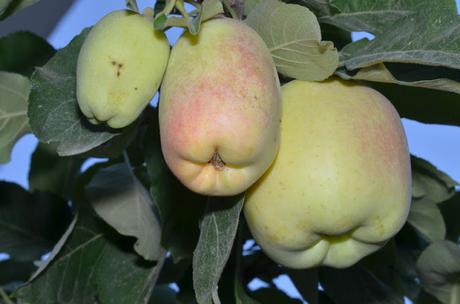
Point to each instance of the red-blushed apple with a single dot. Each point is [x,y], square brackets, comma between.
[220,108]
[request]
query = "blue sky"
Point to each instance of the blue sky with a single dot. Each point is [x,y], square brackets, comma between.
[438,144]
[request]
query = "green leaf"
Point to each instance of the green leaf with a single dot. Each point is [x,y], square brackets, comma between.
[380,73]
[122,201]
[163,294]
[21,52]
[180,209]
[427,34]
[95,265]
[236,265]
[356,285]
[114,147]
[450,210]
[424,105]
[43,264]
[319,7]
[306,282]
[439,269]
[273,295]
[293,36]
[53,110]
[249,5]
[10,7]
[208,10]
[30,224]
[427,219]
[429,184]
[217,233]
[369,16]
[132,4]
[52,173]
[14,95]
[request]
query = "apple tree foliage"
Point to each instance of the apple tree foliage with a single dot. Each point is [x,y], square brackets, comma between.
[124,230]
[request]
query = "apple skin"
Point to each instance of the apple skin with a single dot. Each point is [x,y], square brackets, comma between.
[340,186]
[220,107]
[120,67]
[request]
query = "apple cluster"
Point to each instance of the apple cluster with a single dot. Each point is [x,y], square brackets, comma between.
[325,164]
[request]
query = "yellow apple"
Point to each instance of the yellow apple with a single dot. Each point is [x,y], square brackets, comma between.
[220,108]
[340,186]
[120,67]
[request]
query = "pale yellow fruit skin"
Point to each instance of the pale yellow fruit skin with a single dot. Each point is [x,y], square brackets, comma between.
[220,94]
[120,67]
[340,186]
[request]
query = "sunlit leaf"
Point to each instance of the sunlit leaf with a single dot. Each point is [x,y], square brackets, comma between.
[439,269]
[293,36]
[14,95]
[218,231]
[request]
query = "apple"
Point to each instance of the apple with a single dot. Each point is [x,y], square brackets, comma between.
[340,186]
[220,107]
[120,67]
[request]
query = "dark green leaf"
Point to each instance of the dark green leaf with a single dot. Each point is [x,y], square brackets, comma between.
[424,105]
[439,269]
[21,52]
[369,16]
[393,267]
[180,209]
[429,184]
[273,295]
[52,173]
[14,95]
[436,78]
[14,271]
[450,210]
[132,4]
[293,36]
[173,272]
[356,285]
[236,265]
[426,218]
[186,294]
[115,146]
[122,201]
[10,7]
[426,298]
[217,233]
[428,33]
[95,265]
[53,110]
[30,224]
[209,9]
[163,294]
[306,282]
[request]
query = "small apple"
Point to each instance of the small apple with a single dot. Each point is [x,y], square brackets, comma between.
[120,67]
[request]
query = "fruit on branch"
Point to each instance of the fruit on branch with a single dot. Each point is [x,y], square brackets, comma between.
[220,108]
[120,67]
[340,186]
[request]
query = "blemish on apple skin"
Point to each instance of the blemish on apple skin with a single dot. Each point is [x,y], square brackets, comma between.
[118,66]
